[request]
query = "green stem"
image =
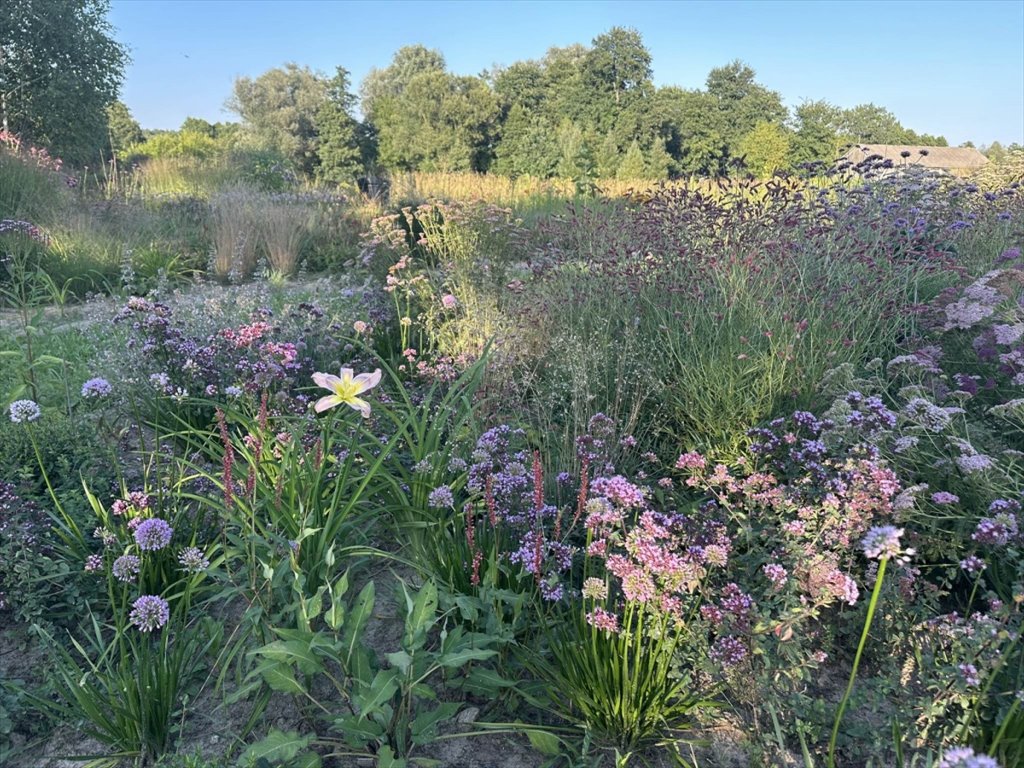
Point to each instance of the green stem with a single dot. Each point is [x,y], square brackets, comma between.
[856,661]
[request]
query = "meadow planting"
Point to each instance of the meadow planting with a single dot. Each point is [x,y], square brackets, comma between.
[495,472]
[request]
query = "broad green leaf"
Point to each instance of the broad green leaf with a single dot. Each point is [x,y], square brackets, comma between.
[464,656]
[357,731]
[423,728]
[421,616]
[400,660]
[358,616]
[486,682]
[280,678]
[379,692]
[277,747]
[544,742]
[386,759]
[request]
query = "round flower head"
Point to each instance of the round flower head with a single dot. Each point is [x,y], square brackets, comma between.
[23,411]
[153,534]
[883,543]
[441,497]
[96,388]
[149,612]
[126,568]
[449,302]
[192,560]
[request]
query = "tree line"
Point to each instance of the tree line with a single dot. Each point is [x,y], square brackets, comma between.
[580,112]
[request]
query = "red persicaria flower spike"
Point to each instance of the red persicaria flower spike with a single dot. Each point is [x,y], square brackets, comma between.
[228,460]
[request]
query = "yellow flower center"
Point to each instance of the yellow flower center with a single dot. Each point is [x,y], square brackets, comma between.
[346,389]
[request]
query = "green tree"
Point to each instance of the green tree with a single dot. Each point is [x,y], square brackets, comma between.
[339,152]
[816,138]
[391,82]
[279,110]
[574,159]
[633,165]
[766,149]
[742,102]
[703,150]
[608,157]
[198,125]
[659,161]
[60,68]
[528,145]
[616,70]
[441,122]
[123,129]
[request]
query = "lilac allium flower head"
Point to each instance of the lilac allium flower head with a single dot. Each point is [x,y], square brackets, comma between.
[93,563]
[153,534]
[882,542]
[945,497]
[96,388]
[126,568]
[149,612]
[965,757]
[192,560]
[23,411]
[441,498]
[449,302]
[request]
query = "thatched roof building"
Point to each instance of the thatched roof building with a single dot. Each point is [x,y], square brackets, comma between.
[956,160]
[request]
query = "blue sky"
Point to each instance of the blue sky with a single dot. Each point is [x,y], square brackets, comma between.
[951,68]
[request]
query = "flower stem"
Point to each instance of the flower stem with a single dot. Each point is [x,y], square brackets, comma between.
[856,660]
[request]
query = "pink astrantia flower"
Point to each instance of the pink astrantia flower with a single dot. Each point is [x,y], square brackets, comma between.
[346,389]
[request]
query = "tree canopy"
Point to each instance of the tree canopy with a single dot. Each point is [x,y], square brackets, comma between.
[60,69]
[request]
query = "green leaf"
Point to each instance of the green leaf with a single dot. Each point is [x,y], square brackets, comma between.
[458,658]
[297,652]
[379,692]
[544,742]
[386,759]
[277,747]
[424,727]
[280,678]
[357,731]
[400,659]
[486,682]
[421,616]
[360,614]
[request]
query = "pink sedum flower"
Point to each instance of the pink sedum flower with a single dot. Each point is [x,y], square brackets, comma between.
[346,389]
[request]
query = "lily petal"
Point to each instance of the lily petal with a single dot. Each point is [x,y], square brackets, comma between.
[347,374]
[367,380]
[360,405]
[325,380]
[326,402]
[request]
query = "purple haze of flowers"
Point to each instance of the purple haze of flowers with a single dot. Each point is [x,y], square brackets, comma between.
[97,388]
[22,411]
[965,757]
[153,534]
[945,497]
[149,612]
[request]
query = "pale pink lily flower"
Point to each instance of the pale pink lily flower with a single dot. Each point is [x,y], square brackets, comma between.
[346,389]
